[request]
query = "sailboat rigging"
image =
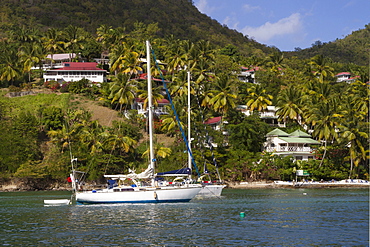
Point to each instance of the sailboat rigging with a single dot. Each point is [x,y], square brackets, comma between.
[139,192]
[208,189]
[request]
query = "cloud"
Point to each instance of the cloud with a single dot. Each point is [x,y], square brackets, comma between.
[249,8]
[204,7]
[267,31]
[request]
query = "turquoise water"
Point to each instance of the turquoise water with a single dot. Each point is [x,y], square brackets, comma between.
[273,217]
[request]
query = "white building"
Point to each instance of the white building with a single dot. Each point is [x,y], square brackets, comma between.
[247,75]
[75,71]
[346,76]
[268,116]
[158,109]
[296,144]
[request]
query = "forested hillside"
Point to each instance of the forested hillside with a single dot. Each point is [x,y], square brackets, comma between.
[179,18]
[354,48]
[42,132]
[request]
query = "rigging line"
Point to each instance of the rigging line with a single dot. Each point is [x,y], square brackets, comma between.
[70,152]
[177,117]
[111,154]
[218,197]
[207,139]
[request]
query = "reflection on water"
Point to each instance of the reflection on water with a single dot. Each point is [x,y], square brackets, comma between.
[286,217]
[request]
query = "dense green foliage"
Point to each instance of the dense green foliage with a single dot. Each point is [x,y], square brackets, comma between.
[179,18]
[41,133]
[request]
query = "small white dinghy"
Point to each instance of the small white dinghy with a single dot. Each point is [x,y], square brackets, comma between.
[57,202]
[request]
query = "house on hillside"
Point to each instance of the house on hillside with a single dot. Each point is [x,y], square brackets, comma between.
[214,122]
[268,116]
[346,76]
[248,75]
[75,71]
[159,109]
[297,144]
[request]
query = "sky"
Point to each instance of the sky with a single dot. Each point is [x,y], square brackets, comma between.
[289,24]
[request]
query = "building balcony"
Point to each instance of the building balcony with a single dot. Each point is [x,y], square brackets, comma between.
[289,149]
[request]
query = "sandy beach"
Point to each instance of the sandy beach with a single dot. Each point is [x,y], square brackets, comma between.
[283,184]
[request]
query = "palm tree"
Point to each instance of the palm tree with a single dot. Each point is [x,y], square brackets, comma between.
[360,92]
[30,56]
[24,34]
[156,95]
[258,98]
[124,59]
[52,42]
[92,137]
[353,130]
[223,94]
[176,56]
[169,121]
[74,38]
[289,105]
[110,37]
[122,90]
[9,67]
[275,62]
[118,140]
[159,150]
[320,68]
[324,118]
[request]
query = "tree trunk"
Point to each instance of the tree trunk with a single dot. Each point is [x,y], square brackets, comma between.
[323,156]
[350,171]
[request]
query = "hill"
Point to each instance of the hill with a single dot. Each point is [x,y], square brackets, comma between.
[179,18]
[354,48]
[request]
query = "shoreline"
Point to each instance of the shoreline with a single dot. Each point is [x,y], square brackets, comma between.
[18,187]
[297,185]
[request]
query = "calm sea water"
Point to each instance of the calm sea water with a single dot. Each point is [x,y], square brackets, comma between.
[273,217]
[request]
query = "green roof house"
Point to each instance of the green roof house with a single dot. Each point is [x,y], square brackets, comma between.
[296,144]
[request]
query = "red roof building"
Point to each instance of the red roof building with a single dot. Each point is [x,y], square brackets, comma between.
[75,71]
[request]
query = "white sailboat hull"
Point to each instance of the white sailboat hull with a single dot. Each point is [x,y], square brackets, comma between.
[138,195]
[211,190]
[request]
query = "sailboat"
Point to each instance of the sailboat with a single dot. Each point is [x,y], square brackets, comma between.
[139,191]
[208,188]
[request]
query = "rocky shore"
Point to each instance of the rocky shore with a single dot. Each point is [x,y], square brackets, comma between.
[31,184]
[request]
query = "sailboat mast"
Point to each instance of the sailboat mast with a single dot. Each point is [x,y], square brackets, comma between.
[150,106]
[189,125]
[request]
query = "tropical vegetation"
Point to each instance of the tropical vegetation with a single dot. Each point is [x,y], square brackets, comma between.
[43,132]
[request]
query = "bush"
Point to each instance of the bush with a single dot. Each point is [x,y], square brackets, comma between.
[65,87]
[53,85]
[78,86]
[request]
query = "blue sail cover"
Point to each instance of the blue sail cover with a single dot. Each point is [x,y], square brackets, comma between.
[180,172]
